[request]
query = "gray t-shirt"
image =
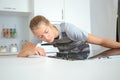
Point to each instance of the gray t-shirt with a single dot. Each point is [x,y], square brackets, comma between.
[73,33]
[70,37]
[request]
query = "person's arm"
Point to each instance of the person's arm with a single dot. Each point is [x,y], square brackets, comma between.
[103,42]
[107,53]
[31,49]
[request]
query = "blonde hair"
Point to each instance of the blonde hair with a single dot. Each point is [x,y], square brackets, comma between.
[37,20]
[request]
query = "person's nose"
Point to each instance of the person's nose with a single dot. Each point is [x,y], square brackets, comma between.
[45,36]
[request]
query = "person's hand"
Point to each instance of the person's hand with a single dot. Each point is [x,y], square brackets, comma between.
[31,49]
[36,51]
[40,51]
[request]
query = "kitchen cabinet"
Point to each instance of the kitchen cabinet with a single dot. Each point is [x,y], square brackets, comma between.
[51,9]
[15,5]
[78,13]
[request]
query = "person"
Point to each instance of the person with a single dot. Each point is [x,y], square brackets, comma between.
[65,36]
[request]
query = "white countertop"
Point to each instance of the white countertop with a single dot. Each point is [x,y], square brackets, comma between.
[44,68]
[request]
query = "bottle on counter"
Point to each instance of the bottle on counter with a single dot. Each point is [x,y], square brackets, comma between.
[4,32]
[13,48]
[9,35]
[14,33]
[23,42]
[3,49]
[11,32]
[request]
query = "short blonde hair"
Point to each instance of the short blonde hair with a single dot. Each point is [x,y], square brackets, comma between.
[38,20]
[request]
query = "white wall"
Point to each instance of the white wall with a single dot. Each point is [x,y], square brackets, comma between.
[103,19]
[11,20]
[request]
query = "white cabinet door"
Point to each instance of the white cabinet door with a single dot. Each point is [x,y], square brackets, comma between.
[51,9]
[14,5]
[78,13]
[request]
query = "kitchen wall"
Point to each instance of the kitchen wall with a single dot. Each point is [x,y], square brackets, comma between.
[20,23]
[103,19]
[14,15]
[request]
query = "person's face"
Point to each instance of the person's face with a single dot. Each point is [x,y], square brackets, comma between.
[44,33]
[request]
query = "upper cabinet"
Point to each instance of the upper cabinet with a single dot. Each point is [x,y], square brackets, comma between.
[78,13]
[52,9]
[15,5]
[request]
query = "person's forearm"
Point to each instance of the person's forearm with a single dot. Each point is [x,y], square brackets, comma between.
[103,42]
[107,53]
[110,44]
[25,52]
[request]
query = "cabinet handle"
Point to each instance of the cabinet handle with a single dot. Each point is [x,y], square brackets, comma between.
[10,8]
[62,14]
[14,8]
[7,8]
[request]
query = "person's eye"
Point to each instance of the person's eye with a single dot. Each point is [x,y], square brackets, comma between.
[40,36]
[46,31]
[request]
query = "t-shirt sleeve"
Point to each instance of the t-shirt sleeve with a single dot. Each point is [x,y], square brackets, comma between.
[75,33]
[35,40]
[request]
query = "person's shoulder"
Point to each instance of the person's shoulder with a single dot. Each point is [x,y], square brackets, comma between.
[67,27]
[66,23]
